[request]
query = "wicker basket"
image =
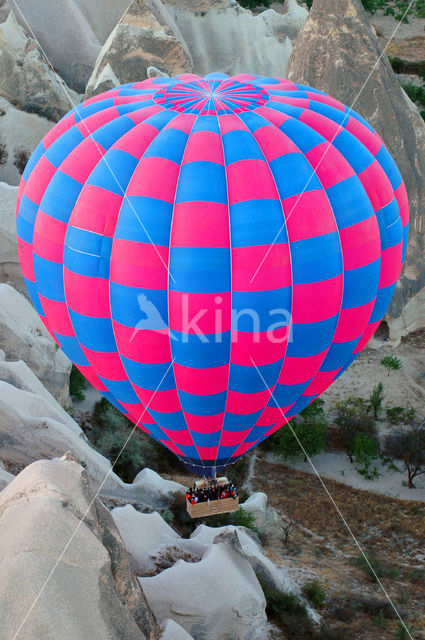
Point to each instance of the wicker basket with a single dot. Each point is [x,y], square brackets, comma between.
[212,508]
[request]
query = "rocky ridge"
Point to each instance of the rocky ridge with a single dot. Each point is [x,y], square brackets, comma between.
[333,53]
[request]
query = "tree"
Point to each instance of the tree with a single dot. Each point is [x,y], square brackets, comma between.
[365,451]
[392,363]
[376,399]
[354,418]
[314,412]
[292,439]
[408,445]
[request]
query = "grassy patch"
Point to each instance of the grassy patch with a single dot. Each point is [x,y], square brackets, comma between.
[315,592]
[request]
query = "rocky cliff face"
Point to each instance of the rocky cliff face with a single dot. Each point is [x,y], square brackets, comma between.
[83,589]
[179,36]
[146,36]
[23,336]
[337,51]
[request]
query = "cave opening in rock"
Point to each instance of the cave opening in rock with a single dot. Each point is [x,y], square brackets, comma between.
[383,331]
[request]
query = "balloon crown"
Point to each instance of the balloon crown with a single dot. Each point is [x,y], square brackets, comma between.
[212,97]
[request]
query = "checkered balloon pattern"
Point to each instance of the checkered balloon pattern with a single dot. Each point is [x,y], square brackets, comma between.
[211,253]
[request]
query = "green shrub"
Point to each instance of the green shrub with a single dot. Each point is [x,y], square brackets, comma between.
[375,568]
[315,592]
[365,451]
[253,4]
[403,632]
[240,518]
[308,430]
[392,363]
[281,606]
[77,384]
[376,399]
[354,418]
[395,415]
[290,442]
[109,433]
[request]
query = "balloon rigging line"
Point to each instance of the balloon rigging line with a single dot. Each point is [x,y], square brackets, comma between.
[98,147]
[287,423]
[330,142]
[89,507]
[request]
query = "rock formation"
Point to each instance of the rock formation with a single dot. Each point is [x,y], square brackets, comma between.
[24,337]
[73,49]
[34,425]
[5,477]
[236,608]
[156,532]
[67,553]
[26,80]
[162,492]
[223,36]
[170,630]
[146,36]
[10,269]
[336,51]
[20,133]
[219,34]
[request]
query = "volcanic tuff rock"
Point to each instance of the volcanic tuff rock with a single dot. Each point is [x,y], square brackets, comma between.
[237,609]
[73,48]
[223,36]
[24,337]
[170,630]
[156,532]
[5,477]
[92,592]
[10,269]
[26,80]
[146,36]
[336,51]
[33,425]
[20,133]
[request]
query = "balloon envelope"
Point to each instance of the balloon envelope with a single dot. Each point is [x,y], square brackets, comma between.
[212,253]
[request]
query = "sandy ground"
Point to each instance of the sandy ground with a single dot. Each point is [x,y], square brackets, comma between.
[391,28]
[405,387]
[390,483]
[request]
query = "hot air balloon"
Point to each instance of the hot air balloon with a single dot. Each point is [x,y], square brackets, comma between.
[211,253]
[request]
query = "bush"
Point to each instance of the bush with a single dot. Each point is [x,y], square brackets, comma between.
[374,567]
[401,414]
[354,418]
[376,399]
[109,433]
[408,445]
[253,4]
[307,431]
[365,451]
[281,606]
[403,632]
[315,592]
[240,518]
[290,442]
[392,363]
[77,384]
